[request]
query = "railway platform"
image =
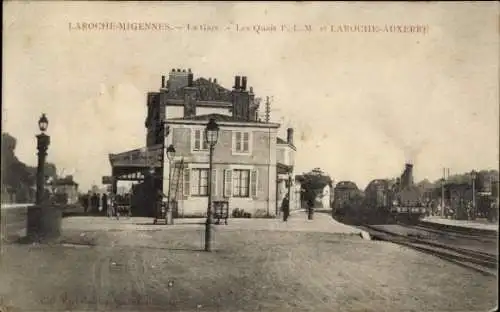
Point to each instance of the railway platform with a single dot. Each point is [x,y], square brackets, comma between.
[476,224]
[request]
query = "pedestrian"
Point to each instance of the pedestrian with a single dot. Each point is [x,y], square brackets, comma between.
[104,200]
[285,207]
[310,198]
[85,203]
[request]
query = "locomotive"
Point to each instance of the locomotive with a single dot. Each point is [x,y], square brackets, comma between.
[400,201]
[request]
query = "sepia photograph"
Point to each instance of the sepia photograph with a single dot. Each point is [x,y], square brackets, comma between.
[250,156]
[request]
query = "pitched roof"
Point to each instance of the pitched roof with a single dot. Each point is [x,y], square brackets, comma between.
[217,117]
[205,82]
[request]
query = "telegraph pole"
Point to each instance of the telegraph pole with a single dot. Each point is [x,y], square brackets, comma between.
[268,110]
[442,192]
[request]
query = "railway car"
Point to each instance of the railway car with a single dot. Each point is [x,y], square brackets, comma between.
[344,194]
[377,200]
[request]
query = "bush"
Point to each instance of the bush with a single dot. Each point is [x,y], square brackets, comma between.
[240,213]
[261,213]
[237,213]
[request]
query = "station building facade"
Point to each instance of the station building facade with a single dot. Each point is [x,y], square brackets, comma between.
[252,167]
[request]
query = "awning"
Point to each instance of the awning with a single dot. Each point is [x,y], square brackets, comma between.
[140,157]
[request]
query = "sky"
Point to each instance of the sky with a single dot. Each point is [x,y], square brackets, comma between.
[361,103]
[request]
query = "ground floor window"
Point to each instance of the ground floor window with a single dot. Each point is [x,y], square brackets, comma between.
[241,183]
[199,182]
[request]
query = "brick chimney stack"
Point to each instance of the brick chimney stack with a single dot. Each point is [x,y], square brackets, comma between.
[244,83]
[289,136]
[237,82]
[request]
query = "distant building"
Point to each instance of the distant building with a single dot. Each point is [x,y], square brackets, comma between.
[65,189]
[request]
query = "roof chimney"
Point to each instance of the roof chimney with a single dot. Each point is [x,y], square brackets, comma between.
[178,70]
[215,80]
[289,136]
[190,79]
[237,82]
[244,83]
[163,81]
[209,79]
[251,89]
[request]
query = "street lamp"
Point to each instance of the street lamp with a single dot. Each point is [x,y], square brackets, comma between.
[170,157]
[43,142]
[473,176]
[211,136]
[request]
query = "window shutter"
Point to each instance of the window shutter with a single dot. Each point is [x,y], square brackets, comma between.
[228,183]
[214,182]
[238,141]
[233,141]
[186,181]
[195,181]
[246,136]
[204,137]
[253,183]
[197,139]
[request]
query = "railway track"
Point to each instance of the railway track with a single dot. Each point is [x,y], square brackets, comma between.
[457,230]
[483,262]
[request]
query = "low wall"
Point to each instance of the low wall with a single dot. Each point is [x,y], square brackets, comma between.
[197,207]
[44,222]
[30,222]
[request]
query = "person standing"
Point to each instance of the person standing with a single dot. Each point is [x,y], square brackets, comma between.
[104,199]
[310,198]
[285,207]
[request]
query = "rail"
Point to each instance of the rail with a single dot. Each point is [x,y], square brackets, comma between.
[482,262]
[459,229]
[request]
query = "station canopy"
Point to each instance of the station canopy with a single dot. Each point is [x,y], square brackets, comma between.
[130,165]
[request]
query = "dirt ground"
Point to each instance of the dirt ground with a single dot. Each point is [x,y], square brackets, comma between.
[124,270]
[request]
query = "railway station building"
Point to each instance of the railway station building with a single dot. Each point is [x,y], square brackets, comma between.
[252,166]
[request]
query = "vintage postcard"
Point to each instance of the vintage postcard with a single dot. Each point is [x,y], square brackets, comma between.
[249,156]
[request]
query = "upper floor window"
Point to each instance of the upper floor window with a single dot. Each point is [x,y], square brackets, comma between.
[241,142]
[200,143]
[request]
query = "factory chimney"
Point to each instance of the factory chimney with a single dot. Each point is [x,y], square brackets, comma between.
[289,136]
[407,177]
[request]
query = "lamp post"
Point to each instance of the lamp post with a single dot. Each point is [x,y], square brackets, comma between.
[170,157]
[43,142]
[211,136]
[473,176]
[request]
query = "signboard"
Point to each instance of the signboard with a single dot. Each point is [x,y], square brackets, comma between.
[107,180]
[142,157]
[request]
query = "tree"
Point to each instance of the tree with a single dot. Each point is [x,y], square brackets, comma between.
[313,183]
[18,178]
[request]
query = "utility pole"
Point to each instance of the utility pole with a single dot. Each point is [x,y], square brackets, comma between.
[443,180]
[268,110]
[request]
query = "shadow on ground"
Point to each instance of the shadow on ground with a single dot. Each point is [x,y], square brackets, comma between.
[359,220]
